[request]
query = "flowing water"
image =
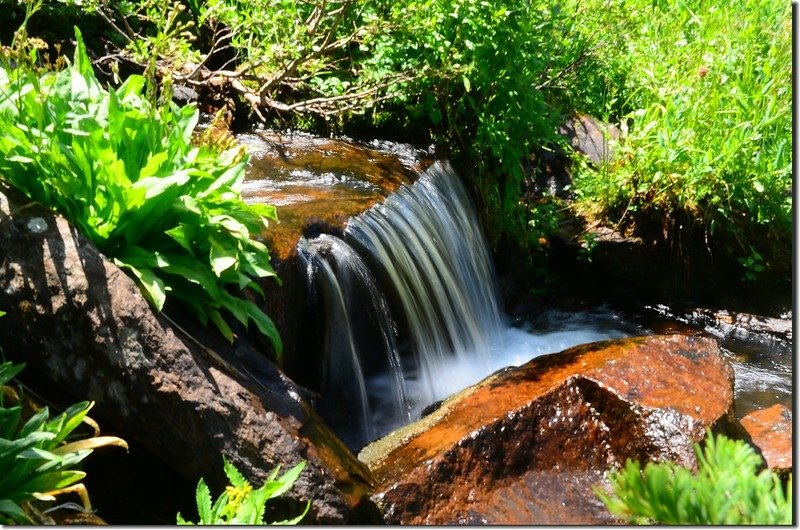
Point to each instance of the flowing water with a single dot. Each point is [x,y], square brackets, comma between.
[403,299]
[424,247]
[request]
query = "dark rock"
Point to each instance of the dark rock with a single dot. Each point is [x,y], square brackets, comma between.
[771,431]
[82,325]
[526,445]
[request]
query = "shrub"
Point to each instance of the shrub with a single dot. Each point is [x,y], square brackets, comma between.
[726,489]
[240,504]
[37,458]
[125,172]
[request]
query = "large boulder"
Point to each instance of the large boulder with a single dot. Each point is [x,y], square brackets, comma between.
[81,324]
[526,445]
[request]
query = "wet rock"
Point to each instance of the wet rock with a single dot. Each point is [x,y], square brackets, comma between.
[771,431]
[737,325]
[525,445]
[321,180]
[81,325]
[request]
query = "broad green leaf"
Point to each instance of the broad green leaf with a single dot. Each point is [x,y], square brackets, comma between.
[221,258]
[288,479]
[34,423]
[154,163]
[222,326]
[9,370]
[295,520]
[68,421]
[13,510]
[179,234]
[49,482]
[132,88]
[265,326]
[9,420]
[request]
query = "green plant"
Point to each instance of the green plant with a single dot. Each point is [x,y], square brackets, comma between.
[727,489]
[38,457]
[707,105]
[126,173]
[240,504]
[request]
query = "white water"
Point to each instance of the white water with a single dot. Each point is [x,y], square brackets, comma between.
[339,281]
[425,245]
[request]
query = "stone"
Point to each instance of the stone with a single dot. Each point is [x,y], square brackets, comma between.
[771,431]
[590,137]
[82,326]
[527,444]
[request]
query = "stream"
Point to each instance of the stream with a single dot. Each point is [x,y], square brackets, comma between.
[402,290]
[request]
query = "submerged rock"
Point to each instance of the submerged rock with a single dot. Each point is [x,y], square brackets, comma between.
[526,445]
[771,431]
[81,325]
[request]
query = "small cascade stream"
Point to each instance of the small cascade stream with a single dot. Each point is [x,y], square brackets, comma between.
[415,267]
[402,308]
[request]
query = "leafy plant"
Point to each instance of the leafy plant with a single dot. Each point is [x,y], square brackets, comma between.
[38,457]
[727,489]
[126,173]
[240,504]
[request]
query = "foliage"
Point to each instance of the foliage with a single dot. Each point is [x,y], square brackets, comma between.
[125,172]
[240,504]
[708,110]
[726,489]
[38,456]
[494,74]
[702,90]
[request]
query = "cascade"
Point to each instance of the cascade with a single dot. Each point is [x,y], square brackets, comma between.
[344,289]
[416,263]
[426,240]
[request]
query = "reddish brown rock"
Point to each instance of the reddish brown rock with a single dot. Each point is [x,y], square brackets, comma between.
[771,431]
[525,445]
[81,325]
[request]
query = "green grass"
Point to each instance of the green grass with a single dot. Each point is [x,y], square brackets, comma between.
[707,104]
[703,89]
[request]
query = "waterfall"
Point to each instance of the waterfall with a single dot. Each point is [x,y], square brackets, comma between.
[426,240]
[352,307]
[408,309]
[426,244]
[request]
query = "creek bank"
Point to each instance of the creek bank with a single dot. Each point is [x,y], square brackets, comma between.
[559,420]
[605,261]
[82,325]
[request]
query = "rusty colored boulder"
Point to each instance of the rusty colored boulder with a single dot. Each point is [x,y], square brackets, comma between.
[525,445]
[81,325]
[771,431]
